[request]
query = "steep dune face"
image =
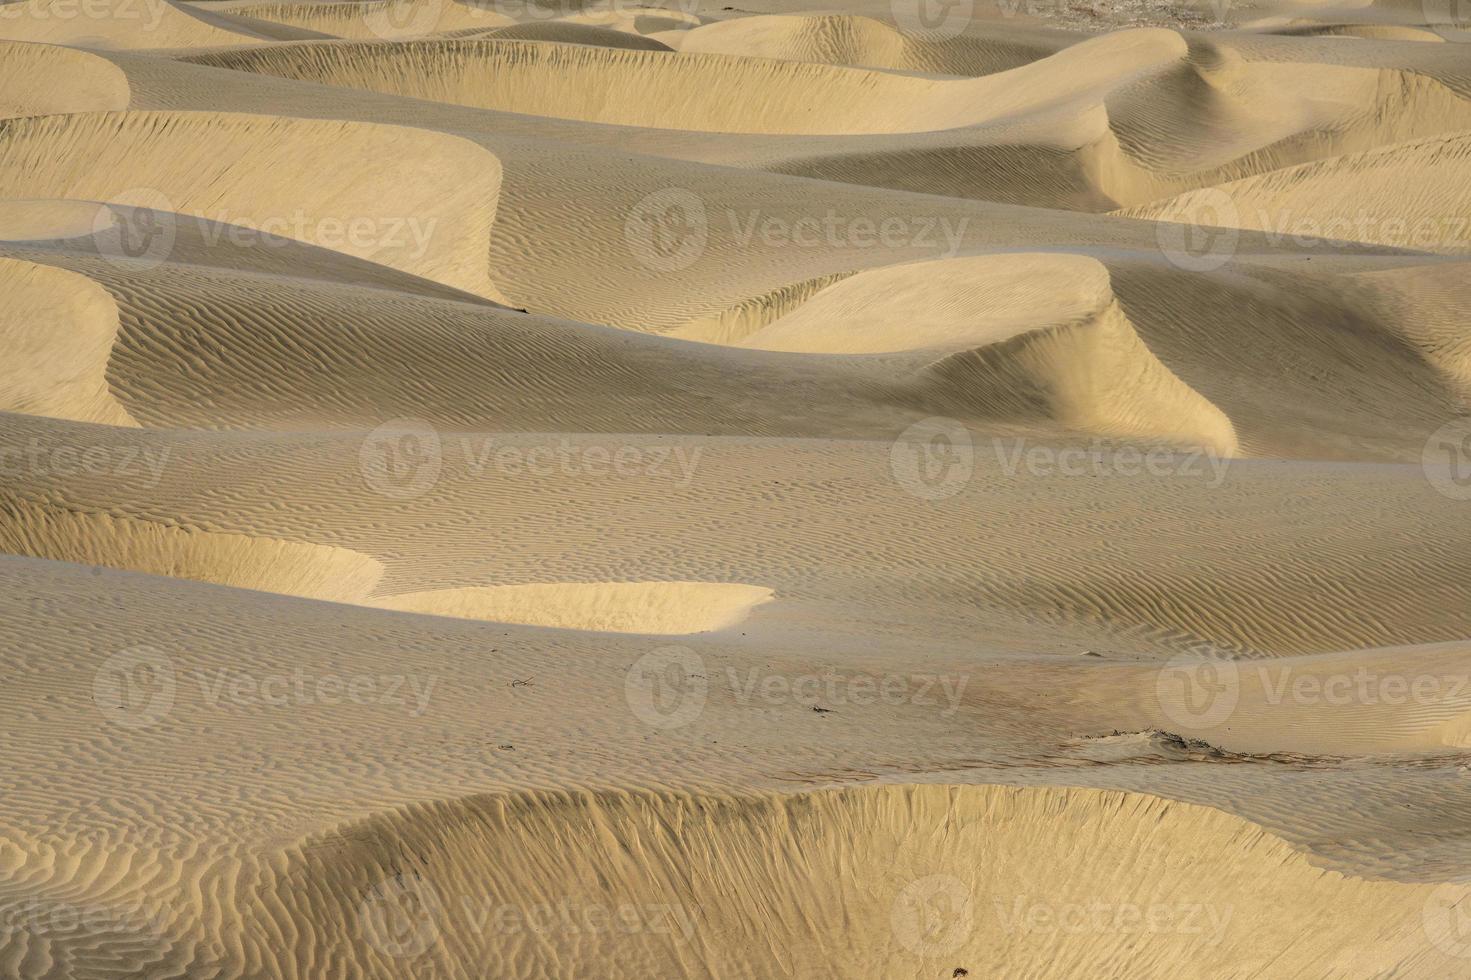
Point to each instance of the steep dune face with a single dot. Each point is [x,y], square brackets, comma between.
[889,881]
[668,608]
[560,489]
[395,210]
[132,544]
[376,20]
[58,329]
[38,80]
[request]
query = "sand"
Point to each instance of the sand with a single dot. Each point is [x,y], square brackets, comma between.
[534,490]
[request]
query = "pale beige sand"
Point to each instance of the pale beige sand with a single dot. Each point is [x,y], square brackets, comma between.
[494,490]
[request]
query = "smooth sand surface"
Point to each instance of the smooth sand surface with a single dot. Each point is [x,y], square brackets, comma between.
[601,491]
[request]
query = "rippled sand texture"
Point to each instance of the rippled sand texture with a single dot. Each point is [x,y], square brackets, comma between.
[589,490]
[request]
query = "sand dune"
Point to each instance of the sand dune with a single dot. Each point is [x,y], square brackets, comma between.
[579,490]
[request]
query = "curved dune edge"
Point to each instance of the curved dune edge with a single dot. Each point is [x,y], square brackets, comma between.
[1307,201]
[57,329]
[416,201]
[1401,699]
[847,39]
[1026,337]
[122,25]
[660,608]
[878,881]
[683,92]
[222,558]
[562,32]
[38,80]
[377,19]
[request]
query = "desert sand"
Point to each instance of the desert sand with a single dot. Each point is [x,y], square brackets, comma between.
[605,490]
